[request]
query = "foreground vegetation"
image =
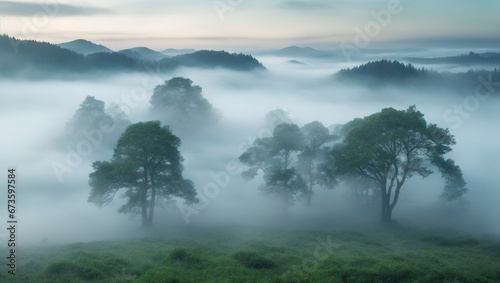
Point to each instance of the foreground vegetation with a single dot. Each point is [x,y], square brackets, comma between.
[236,254]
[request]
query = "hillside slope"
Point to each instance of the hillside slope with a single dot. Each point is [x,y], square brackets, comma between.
[85,47]
[33,59]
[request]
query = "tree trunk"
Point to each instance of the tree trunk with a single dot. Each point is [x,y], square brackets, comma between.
[285,201]
[285,187]
[387,215]
[285,210]
[144,207]
[310,192]
[388,204]
[153,203]
[144,198]
[386,210]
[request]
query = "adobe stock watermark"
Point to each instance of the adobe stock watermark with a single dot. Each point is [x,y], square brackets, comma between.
[222,179]
[221,7]
[322,251]
[364,36]
[471,103]
[94,138]
[39,20]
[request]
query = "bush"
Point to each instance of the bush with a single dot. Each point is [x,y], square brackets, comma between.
[178,255]
[253,260]
[184,255]
[65,269]
[452,242]
[159,276]
[87,267]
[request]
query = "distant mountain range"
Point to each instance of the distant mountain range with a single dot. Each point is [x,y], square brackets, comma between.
[300,52]
[33,59]
[174,52]
[143,53]
[295,62]
[85,47]
[295,51]
[490,58]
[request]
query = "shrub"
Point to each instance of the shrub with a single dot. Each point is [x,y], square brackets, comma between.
[184,255]
[159,276]
[64,268]
[253,260]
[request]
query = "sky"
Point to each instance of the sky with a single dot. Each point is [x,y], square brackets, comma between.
[161,24]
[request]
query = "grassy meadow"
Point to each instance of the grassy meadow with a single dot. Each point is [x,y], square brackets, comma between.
[246,254]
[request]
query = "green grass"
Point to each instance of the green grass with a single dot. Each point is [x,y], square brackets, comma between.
[253,259]
[232,254]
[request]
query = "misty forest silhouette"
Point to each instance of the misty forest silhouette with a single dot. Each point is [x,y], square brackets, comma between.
[296,181]
[380,151]
[386,72]
[42,60]
[35,59]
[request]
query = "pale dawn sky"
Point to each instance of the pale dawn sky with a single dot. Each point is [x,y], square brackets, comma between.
[161,24]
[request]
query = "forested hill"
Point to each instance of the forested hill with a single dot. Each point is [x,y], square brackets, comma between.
[472,58]
[85,47]
[23,57]
[33,59]
[211,59]
[383,70]
[394,73]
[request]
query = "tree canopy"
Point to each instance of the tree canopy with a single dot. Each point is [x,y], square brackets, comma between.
[148,165]
[182,105]
[275,157]
[316,136]
[391,146]
[90,115]
[92,118]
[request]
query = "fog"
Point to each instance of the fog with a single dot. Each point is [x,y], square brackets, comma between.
[55,210]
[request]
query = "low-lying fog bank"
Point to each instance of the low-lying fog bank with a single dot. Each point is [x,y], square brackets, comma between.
[52,210]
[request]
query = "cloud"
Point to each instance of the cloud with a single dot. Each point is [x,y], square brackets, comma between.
[10,8]
[462,41]
[303,5]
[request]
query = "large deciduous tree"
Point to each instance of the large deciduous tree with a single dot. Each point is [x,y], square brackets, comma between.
[391,146]
[182,105]
[148,165]
[92,119]
[90,115]
[275,157]
[316,136]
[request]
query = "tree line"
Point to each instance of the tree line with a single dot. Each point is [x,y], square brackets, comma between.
[383,73]
[381,152]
